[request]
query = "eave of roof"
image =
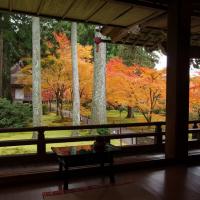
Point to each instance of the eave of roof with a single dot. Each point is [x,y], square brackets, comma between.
[104,12]
[120,18]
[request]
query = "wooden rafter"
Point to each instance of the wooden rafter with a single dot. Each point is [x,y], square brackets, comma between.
[10,5]
[69,8]
[106,30]
[123,13]
[162,5]
[41,5]
[96,11]
[118,36]
[134,26]
[162,14]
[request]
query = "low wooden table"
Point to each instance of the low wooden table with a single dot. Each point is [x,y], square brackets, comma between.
[84,155]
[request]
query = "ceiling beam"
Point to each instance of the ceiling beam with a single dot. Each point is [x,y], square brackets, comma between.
[162,15]
[96,11]
[106,30]
[41,5]
[5,10]
[195,52]
[156,4]
[10,5]
[161,5]
[68,9]
[123,13]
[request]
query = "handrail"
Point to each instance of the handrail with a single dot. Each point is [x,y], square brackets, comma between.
[81,127]
[83,138]
[74,139]
[41,141]
[18,142]
[194,130]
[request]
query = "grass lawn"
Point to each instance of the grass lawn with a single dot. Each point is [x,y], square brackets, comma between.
[47,120]
[114,117]
[53,120]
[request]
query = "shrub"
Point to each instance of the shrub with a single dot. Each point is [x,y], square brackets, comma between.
[14,115]
[103,131]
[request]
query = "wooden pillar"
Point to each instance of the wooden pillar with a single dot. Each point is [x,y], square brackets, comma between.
[178,79]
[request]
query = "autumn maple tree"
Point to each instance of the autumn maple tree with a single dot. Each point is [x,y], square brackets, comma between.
[57,72]
[140,87]
[149,91]
[195,96]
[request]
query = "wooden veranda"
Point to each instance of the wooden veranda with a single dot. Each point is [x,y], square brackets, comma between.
[173,26]
[149,23]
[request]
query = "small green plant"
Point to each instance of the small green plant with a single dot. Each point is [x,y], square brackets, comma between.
[103,131]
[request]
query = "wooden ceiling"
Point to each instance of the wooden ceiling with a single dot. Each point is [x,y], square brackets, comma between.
[136,22]
[104,12]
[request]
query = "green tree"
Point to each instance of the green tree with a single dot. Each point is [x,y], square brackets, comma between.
[137,55]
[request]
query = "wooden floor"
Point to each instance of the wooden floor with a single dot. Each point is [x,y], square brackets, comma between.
[174,182]
[13,170]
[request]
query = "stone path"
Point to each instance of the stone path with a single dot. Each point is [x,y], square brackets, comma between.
[88,121]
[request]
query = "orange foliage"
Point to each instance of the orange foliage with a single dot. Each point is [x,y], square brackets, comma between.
[195,96]
[57,71]
[135,86]
[139,87]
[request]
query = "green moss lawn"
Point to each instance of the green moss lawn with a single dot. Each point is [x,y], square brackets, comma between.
[47,120]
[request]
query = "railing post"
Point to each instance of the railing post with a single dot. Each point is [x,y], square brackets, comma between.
[158,137]
[41,146]
[136,140]
[195,135]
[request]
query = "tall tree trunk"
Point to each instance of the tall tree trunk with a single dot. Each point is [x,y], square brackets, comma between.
[99,82]
[57,106]
[6,72]
[50,106]
[61,109]
[5,58]
[75,79]
[130,113]
[1,62]
[36,77]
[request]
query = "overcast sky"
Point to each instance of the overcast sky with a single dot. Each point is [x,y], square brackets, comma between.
[163,64]
[162,61]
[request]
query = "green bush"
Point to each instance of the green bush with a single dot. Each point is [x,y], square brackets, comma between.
[14,115]
[103,131]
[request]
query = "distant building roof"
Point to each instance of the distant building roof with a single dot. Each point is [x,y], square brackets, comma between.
[16,74]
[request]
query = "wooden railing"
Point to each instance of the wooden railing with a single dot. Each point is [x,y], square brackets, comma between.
[158,134]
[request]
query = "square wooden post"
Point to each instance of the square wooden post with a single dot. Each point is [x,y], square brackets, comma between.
[179,21]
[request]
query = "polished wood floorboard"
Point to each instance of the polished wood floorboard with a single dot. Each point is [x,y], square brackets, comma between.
[9,170]
[171,183]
